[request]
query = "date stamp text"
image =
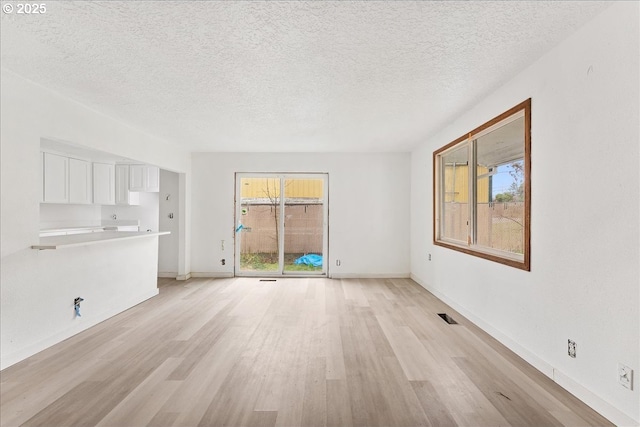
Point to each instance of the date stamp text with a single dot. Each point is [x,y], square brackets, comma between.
[24,8]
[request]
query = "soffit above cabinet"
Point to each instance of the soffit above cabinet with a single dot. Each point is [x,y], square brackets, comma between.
[80,152]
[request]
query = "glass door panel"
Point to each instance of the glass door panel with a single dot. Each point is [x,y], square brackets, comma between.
[258,225]
[303,225]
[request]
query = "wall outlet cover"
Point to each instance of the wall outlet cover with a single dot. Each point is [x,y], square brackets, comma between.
[571,348]
[625,376]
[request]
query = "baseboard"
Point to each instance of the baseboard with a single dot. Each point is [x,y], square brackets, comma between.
[369,276]
[211,274]
[217,274]
[589,398]
[169,274]
[530,357]
[183,276]
[15,357]
[598,404]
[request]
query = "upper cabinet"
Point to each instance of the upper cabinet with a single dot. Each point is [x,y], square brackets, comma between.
[79,181]
[65,180]
[144,178]
[70,175]
[55,188]
[104,184]
[123,195]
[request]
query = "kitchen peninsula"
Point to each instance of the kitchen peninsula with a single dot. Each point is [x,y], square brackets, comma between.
[90,238]
[111,271]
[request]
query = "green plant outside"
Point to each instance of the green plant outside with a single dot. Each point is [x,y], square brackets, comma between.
[269,262]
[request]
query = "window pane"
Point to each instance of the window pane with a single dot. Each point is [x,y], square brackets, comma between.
[455,200]
[500,188]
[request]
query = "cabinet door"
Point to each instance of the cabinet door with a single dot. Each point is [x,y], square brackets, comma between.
[137,178]
[123,195]
[79,181]
[122,184]
[103,184]
[153,179]
[144,178]
[55,179]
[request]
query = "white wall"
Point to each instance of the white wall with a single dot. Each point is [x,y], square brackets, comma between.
[585,261]
[168,246]
[371,244]
[53,215]
[30,112]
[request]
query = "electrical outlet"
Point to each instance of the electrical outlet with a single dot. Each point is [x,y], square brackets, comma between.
[571,348]
[338,262]
[625,376]
[429,257]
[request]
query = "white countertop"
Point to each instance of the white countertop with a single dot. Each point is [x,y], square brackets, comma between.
[60,242]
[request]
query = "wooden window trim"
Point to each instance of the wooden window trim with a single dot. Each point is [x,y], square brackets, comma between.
[525,264]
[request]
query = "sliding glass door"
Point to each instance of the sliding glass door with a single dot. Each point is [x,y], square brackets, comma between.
[281,224]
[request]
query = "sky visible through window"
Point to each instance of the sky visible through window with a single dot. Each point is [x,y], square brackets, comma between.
[502,180]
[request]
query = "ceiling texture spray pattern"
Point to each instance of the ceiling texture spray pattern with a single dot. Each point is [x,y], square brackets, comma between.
[284,76]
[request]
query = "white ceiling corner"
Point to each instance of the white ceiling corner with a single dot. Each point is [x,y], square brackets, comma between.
[303,76]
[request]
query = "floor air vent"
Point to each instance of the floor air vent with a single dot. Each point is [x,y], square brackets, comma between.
[447,318]
[267,280]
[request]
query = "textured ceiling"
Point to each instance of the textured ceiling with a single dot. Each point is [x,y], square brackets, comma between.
[284,76]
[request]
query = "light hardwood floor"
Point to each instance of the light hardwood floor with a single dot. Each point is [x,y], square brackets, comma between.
[295,352]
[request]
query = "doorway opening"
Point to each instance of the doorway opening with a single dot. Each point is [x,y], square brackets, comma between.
[281,224]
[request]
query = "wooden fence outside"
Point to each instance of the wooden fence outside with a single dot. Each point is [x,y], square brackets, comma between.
[500,225]
[303,228]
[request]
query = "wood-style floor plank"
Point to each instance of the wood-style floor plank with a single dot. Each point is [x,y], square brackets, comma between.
[294,352]
[146,400]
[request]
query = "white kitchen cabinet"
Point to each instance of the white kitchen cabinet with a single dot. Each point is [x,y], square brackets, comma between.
[79,181]
[123,195]
[153,179]
[144,178]
[55,188]
[104,184]
[65,180]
